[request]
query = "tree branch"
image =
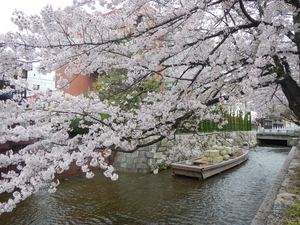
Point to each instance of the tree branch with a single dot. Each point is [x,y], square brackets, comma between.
[253,21]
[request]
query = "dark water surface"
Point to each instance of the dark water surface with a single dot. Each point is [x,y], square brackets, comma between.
[232,197]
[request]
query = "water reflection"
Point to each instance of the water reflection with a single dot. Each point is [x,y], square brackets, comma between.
[233,197]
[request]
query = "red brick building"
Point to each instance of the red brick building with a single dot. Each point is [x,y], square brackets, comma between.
[78,84]
[82,84]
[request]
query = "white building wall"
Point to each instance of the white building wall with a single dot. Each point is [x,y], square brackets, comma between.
[38,81]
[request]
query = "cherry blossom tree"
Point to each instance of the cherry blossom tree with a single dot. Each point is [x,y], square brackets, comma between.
[207,52]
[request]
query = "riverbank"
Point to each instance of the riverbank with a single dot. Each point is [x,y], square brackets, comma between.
[146,158]
[232,197]
[284,193]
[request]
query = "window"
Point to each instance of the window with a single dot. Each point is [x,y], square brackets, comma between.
[268,123]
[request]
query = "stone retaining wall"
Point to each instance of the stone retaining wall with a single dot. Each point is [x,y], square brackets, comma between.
[145,159]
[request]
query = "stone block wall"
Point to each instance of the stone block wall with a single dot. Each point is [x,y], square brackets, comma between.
[137,162]
[145,159]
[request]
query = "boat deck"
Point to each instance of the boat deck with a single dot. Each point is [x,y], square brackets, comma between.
[203,169]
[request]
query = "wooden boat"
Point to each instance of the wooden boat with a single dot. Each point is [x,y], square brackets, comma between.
[201,169]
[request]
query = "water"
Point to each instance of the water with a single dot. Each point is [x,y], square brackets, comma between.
[232,197]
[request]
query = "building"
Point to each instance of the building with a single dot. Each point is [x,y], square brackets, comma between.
[38,81]
[10,145]
[276,123]
[78,84]
[5,83]
[82,84]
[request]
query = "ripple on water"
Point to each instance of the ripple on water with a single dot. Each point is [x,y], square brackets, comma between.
[233,197]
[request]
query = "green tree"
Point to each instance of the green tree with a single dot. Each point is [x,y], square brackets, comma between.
[111,86]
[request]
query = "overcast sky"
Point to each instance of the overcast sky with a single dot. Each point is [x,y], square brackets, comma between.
[29,7]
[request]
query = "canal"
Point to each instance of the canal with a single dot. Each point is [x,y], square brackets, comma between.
[232,197]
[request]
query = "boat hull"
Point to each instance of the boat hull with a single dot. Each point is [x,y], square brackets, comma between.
[210,169]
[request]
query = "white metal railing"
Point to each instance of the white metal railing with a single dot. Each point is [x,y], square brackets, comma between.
[277,132]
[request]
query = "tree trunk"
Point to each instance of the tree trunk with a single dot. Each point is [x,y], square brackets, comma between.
[292,92]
